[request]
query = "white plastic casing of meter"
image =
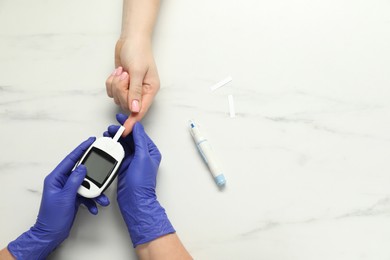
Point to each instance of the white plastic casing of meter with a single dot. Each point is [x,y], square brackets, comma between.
[102,160]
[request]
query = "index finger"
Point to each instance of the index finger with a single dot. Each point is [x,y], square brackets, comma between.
[147,100]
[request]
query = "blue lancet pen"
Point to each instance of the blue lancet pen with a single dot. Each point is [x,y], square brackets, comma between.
[207,154]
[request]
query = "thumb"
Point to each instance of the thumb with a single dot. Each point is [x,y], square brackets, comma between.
[135,92]
[75,179]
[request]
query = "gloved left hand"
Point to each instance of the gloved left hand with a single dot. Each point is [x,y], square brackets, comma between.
[144,216]
[58,209]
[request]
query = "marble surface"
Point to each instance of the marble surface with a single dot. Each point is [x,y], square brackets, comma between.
[306,158]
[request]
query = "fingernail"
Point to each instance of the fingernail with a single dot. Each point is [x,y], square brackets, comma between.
[113,73]
[123,76]
[135,106]
[118,71]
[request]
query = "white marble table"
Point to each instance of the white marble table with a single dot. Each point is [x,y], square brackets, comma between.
[306,158]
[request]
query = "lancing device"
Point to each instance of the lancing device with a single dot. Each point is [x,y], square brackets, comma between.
[207,154]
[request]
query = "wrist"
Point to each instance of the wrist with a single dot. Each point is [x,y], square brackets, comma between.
[32,245]
[146,221]
[135,41]
[136,36]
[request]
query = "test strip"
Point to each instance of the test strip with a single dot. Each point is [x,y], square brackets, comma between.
[118,134]
[221,83]
[231,106]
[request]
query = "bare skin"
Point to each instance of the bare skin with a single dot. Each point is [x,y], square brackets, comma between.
[135,81]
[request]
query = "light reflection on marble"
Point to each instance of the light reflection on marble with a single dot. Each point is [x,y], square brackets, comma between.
[306,158]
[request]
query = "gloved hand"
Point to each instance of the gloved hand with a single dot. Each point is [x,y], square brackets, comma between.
[145,218]
[58,208]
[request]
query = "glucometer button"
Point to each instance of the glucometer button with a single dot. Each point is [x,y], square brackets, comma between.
[86,184]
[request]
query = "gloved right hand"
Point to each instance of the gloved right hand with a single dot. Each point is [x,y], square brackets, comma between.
[145,218]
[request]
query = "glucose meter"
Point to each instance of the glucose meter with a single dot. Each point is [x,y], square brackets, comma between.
[102,160]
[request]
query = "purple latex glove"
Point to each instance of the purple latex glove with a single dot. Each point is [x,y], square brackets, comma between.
[145,218]
[58,209]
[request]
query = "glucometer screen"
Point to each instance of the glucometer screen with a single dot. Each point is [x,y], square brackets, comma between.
[99,165]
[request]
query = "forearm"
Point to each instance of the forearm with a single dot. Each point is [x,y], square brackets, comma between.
[165,247]
[139,18]
[6,255]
